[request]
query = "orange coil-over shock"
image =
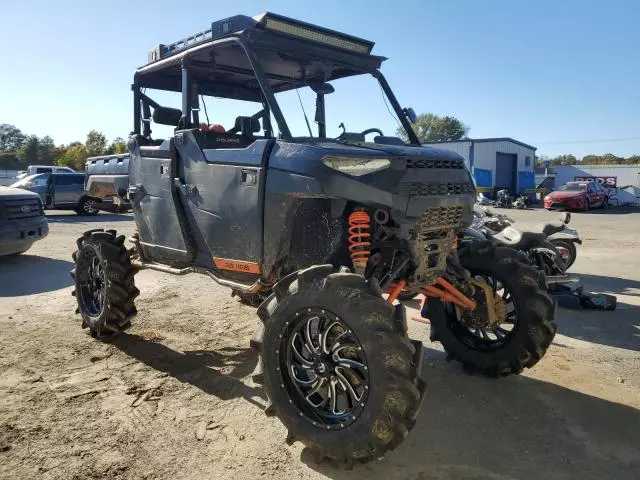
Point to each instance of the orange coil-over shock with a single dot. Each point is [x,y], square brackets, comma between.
[359,235]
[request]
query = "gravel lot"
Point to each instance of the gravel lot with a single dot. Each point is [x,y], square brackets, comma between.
[172,397]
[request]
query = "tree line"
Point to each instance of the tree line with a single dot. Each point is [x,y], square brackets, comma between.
[19,150]
[606,159]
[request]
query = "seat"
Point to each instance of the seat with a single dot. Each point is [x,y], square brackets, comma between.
[246,126]
[552,227]
[513,238]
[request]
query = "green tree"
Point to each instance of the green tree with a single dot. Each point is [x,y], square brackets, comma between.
[28,151]
[75,156]
[430,127]
[117,146]
[564,160]
[96,143]
[46,150]
[11,138]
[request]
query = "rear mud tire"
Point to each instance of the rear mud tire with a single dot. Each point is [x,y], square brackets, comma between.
[535,327]
[394,391]
[118,290]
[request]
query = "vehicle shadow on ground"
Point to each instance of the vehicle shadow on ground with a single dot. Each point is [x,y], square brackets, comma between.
[100,218]
[614,285]
[29,274]
[217,373]
[515,427]
[618,328]
[610,211]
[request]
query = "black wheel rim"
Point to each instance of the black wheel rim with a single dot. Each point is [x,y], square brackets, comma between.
[323,368]
[92,283]
[88,206]
[489,337]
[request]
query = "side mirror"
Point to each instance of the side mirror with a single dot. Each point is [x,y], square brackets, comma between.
[167,116]
[410,114]
[565,217]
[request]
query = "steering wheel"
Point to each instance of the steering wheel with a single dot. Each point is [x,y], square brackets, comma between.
[371,130]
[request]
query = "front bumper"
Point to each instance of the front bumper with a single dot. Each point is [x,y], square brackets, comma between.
[17,235]
[570,204]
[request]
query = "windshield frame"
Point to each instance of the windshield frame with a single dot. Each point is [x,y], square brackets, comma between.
[187,83]
[582,187]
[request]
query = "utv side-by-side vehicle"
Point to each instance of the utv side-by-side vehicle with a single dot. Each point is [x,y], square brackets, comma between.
[322,234]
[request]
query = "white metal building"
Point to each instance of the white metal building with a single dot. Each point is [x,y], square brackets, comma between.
[496,162]
[612,177]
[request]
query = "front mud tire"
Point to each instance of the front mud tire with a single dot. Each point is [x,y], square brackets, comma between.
[535,327]
[110,310]
[394,389]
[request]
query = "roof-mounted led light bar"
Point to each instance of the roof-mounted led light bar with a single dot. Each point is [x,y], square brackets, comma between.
[266,21]
[314,33]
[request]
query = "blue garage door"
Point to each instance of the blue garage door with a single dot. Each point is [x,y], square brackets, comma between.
[506,167]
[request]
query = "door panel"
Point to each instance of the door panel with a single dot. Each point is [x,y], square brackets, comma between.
[66,190]
[506,167]
[156,205]
[222,190]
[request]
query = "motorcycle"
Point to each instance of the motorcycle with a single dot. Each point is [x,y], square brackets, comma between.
[535,246]
[558,233]
[503,199]
[541,251]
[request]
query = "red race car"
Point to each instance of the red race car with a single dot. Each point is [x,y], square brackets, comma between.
[577,196]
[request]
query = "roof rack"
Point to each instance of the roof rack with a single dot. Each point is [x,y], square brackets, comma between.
[266,21]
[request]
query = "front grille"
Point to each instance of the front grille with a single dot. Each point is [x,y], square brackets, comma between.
[417,189]
[431,163]
[432,237]
[17,209]
[440,218]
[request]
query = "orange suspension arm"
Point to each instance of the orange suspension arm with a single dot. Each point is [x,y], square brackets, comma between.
[397,289]
[449,293]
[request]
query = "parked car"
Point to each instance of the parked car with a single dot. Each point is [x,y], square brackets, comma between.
[22,220]
[577,196]
[33,169]
[61,191]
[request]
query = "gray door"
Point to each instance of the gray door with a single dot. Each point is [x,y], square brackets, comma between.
[222,193]
[155,202]
[67,189]
[506,171]
[40,185]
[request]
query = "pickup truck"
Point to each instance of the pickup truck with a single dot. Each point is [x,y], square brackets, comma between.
[22,220]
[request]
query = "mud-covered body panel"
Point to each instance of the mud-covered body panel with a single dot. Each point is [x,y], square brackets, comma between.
[297,176]
[277,206]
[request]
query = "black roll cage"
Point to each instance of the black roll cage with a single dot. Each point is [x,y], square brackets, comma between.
[190,93]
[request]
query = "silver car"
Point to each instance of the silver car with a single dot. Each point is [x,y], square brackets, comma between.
[61,191]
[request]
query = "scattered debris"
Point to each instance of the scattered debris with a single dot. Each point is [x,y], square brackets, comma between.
[181,415]
[201,430]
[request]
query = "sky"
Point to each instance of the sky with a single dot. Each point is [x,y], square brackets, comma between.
[563,76]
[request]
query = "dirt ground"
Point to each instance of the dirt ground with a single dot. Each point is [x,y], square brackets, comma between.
[172,398]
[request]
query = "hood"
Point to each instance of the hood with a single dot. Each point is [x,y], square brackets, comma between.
[11,193]
[372,149]
[565,195]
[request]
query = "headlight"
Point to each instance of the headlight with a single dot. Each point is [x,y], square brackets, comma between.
[547,198]
[357,166]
